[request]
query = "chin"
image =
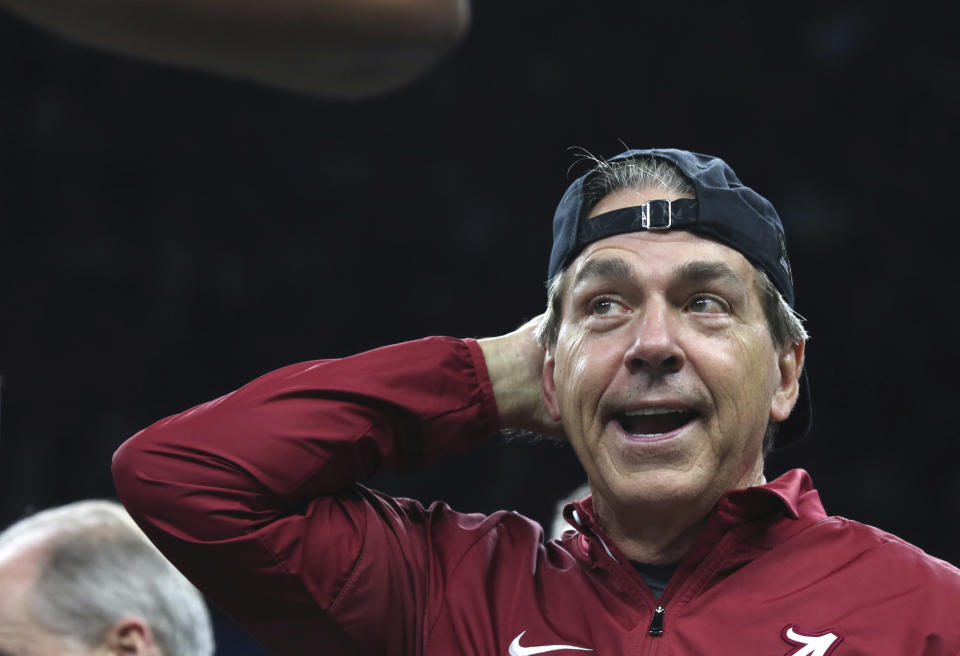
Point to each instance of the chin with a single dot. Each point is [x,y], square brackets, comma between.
[660,488]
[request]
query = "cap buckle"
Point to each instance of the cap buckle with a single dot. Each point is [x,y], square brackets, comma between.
[646,215]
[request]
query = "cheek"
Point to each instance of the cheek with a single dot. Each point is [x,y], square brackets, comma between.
[581,378]
[570,362]
[587,367]
[749,382]
[760,360]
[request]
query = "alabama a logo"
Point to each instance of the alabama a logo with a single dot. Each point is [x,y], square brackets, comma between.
[810,644]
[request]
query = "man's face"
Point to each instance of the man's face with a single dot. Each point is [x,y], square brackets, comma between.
[664,373]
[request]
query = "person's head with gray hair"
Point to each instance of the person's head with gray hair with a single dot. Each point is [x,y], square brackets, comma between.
[83,580]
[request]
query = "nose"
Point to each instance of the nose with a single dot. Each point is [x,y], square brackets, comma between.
[654,349]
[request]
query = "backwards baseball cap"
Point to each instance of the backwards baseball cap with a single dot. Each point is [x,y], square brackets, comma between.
[724,210]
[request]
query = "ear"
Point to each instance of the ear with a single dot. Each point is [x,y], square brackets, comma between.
[790,364]
[131,636]
[548,388]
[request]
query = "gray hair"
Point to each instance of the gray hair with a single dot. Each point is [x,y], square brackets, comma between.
[655,174]
[97,568]
[640,173]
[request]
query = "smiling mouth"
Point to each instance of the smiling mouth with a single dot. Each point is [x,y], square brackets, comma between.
[651,422]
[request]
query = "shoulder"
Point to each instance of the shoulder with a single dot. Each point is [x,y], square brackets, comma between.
[883,552]
[480,552]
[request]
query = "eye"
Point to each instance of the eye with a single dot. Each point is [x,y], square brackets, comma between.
[704,304]
[604,306]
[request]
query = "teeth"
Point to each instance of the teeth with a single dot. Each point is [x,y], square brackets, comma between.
[653,411]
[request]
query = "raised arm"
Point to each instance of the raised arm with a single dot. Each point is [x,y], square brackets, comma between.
[254,496]
[342,48]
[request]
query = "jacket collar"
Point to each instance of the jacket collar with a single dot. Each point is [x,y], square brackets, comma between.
[790,496]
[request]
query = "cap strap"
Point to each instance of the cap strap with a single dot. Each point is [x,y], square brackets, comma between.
[652,215]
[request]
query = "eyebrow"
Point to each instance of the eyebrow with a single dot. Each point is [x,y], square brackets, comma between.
[701,271]
[612,268]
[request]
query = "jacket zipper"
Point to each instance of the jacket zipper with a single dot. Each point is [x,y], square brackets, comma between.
[656,629]
[656,622]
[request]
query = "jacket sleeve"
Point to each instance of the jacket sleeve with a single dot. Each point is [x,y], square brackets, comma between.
[254,495]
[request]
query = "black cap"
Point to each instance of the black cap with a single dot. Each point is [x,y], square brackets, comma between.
[724,210]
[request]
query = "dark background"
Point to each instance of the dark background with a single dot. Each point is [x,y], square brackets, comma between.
[167,236]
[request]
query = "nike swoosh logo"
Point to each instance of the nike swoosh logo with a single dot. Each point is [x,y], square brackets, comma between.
[516,649]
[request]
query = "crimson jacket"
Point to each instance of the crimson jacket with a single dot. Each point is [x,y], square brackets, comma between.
[254,496]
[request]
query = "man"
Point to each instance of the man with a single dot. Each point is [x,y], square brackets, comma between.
[669,356]
[340,48]
[83,580]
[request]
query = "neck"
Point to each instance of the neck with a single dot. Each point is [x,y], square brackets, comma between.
[658,534]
